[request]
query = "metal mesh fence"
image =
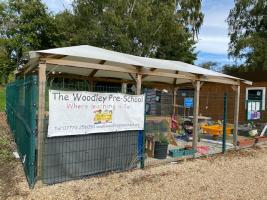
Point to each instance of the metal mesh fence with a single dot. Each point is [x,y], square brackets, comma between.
[168,134]
[168,131]
[21,116]
[172,123]
[72,157]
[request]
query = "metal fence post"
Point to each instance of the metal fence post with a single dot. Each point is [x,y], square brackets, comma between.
[33,125]
[224,123]
[143,137]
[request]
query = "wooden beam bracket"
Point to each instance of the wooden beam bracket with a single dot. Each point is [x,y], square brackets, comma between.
[132,77]
[92,74]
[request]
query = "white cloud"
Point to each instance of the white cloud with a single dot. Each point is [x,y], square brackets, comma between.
[213,37]
[213,44]
[216,18]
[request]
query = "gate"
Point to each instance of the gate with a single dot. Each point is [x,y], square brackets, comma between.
[21,116]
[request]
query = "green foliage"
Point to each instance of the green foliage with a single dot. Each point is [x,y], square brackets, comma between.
[208,65]
[162,29]
[162,126]
[248,33]
[24,25]
[234,69]
[151,28]
[160,137]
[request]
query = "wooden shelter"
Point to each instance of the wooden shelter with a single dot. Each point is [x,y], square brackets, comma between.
[96,64]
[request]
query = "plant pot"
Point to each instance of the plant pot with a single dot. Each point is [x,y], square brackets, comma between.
[160,150]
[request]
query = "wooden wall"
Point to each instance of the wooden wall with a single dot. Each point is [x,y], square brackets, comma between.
[211,101]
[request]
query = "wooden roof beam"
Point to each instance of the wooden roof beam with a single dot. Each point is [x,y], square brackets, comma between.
[85,65]
[152,69]
[175,79]
[92,74]
[140,70]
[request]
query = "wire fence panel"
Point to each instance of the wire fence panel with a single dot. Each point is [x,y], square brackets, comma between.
[72,157]
[21,116]
[169,125]
[167,135]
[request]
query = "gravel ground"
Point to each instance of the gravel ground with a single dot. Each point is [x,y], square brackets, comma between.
[236,175]
[241,175]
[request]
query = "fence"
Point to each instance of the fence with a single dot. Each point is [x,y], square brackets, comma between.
[73,157]
[174,125]
[21,116]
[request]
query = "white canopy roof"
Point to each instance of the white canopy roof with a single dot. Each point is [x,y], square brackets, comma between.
[107,58]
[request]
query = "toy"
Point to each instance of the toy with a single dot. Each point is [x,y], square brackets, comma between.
[215,130]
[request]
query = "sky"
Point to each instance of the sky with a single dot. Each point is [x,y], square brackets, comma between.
[213,36]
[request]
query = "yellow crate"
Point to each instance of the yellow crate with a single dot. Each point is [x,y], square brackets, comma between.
[215,130]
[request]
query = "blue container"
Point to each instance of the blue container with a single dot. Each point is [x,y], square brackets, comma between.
[176,153]
[188,152]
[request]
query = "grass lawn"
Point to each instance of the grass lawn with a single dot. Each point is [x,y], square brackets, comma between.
[2,99]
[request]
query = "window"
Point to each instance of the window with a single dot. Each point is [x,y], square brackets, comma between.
[256,93]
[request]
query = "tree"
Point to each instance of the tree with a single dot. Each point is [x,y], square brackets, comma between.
[208,65]
[234,70]
[153,28]
[25,25]
[248,33]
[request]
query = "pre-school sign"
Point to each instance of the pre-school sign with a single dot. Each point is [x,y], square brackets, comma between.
[77,113]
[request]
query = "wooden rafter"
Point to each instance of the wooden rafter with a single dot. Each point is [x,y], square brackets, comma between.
[152,69]
[102,62]
[79,64]
[58,56]
[132,77]
[52,56]
[92,73]
[141,71]
[175,79]
[111,80]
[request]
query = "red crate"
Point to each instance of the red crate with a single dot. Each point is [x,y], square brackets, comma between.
[245,142]
[260,139]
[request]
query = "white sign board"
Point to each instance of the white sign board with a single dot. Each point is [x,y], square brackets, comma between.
[77,113]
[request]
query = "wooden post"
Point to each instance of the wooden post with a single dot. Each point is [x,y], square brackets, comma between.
[41,117]
[124,88]
[224,122]
[174,100]
[196,113]
[91,85]
[236,114]
[138,83]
